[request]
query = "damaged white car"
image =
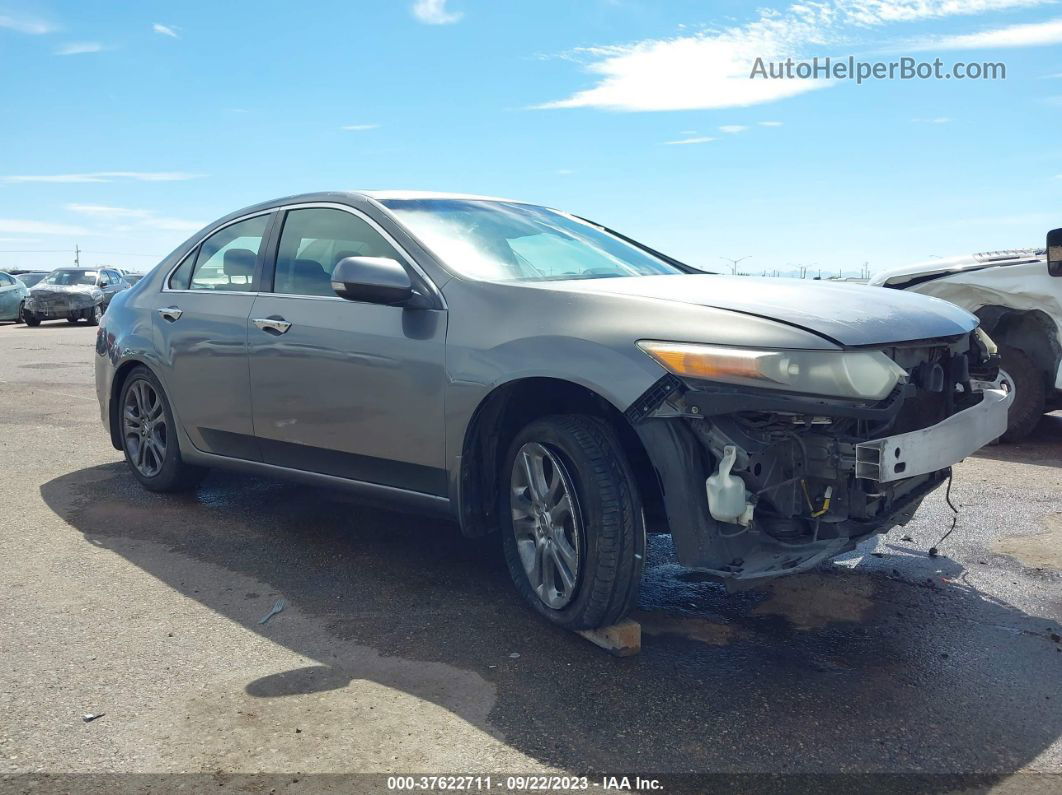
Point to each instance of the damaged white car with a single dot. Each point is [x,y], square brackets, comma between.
[1017,295]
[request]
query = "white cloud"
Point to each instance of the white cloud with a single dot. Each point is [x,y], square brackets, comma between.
[711,69]
[165,30]
[17,226]
[33,27]
[106,211]
[79,48]
[360,127]
[733,128]
[703,139]
[140,217]
[434,12]
[1032,35]
[770,123]
[101,176]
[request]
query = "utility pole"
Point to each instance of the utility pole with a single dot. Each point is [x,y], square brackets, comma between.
[77,256]
[734,262]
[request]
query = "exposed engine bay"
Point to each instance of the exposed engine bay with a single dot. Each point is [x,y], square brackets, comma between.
[792,479]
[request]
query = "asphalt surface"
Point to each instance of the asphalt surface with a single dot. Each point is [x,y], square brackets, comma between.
[403,648]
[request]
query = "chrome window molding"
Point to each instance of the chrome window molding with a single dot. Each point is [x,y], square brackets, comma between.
[405,255]
[199,242]
[409,261]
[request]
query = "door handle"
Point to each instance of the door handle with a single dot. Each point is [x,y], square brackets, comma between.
[272,325]
[171,313]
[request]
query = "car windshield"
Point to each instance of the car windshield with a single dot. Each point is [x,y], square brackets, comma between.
[507,241]
[30,279]
[67,277]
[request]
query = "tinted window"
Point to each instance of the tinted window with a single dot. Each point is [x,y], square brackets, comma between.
[5,280]
[227,259]
[314,241]
[30,279]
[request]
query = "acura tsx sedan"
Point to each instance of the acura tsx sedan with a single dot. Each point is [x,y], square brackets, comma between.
[528,372]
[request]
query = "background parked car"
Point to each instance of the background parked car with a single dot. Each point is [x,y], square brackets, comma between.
[1019,302]
[30,278]
[73,294]
[12,295]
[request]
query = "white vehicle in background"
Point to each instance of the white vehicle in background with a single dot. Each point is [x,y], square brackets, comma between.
[1017,295]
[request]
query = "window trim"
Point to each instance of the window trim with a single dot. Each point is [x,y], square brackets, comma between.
[272,242]
[259,264]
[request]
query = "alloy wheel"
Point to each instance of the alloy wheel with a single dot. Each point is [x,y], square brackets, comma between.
[144,428]
[546,524]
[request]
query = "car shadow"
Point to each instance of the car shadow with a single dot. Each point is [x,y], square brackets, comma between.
[1043,447]
[838,669]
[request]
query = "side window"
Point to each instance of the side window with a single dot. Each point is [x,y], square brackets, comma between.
[5,280]
[314,241]
[105,279]
[180,278]
[227,259]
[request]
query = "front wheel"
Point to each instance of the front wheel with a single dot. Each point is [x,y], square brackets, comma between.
[30,319]
[573,532]
[92,317]
[149,437]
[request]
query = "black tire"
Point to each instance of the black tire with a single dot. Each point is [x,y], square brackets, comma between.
[92,317]
[20,317]
[30,319]
[173,475]
[73,320]
[1030,393]
[612,526]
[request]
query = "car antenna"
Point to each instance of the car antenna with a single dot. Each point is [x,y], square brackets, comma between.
[935,550]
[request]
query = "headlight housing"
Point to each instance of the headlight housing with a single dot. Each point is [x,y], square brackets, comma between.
[869,375]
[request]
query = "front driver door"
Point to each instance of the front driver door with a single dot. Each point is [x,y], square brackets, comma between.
[340,387]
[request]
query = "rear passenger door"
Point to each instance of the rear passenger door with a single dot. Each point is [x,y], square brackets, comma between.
[201,331]
[340,387]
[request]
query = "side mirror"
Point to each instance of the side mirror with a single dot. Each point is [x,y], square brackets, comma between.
[375,280]
[1054,252]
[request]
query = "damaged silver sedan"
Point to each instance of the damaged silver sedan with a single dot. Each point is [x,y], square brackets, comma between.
[531,373]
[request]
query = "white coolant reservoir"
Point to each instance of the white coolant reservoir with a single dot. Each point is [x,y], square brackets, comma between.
[728,501]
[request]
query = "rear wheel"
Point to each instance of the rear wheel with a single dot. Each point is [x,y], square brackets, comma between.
[572,526]
[149,437]
[72,320]
[21,317]
[1030,393]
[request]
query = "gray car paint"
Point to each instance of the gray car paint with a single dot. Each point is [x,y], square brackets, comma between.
[482,335]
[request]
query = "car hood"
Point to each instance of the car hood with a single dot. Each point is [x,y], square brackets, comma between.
[44,289]
[848,314]
[919,272]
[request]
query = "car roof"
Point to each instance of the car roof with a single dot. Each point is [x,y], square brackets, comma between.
[384,195]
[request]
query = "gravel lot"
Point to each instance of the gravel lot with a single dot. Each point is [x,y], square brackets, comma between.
[404,649]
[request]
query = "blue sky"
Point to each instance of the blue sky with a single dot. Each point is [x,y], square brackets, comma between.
[126,125]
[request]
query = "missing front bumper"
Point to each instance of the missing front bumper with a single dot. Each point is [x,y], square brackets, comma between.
[920,452]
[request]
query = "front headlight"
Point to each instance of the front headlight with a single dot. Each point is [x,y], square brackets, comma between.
[852,374]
